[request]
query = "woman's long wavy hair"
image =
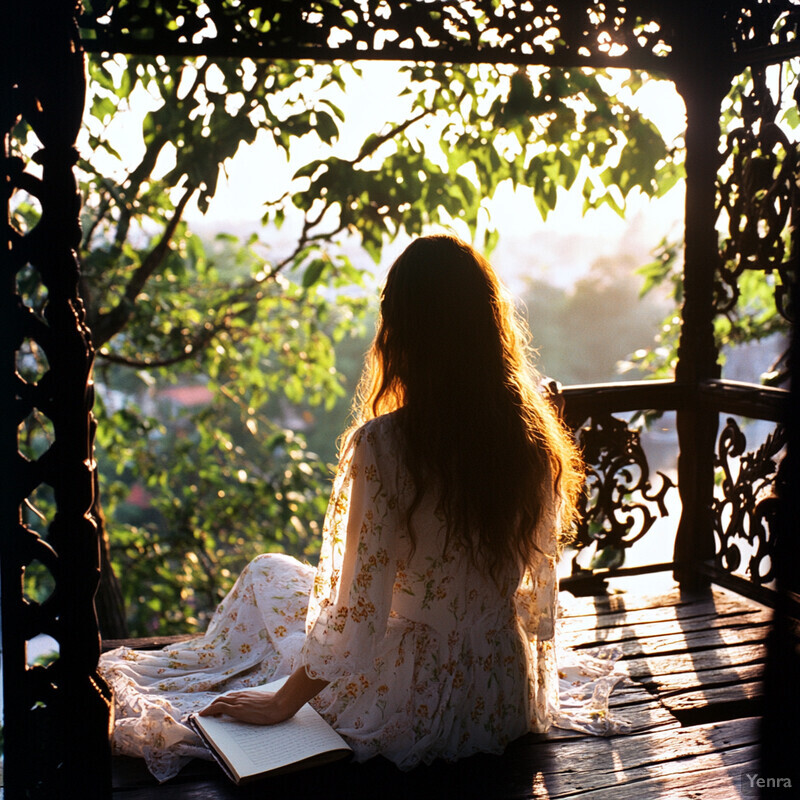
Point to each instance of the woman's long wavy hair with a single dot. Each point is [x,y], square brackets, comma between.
[452,356]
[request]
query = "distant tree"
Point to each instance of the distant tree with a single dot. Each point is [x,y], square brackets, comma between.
[588,333]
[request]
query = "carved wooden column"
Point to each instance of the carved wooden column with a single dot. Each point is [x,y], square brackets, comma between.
[56,718]
[702,80]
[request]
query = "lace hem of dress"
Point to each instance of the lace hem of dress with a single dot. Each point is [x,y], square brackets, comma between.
[585,683]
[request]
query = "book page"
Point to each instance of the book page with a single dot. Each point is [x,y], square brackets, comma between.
[252,749]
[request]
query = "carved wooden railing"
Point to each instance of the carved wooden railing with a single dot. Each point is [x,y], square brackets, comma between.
[624,499]
[56,718]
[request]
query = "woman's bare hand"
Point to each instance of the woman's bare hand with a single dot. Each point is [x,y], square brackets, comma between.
[261,708]
[267,708]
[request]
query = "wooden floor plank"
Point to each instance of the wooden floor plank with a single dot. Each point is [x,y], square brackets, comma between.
[661,621]
[597,767]
[718,598]
[694,699]
[628,627]
[731,673]
[708,777]
[477,778]
[674,642]
[684,615]
[645,667]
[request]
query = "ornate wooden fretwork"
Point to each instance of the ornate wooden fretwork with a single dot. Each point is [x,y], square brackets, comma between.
[562,31]
[639,33]
[620,504]
[56,718]
[746,506]
[758,193]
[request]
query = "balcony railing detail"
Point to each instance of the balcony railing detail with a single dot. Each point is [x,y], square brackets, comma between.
[620,504]
[758,198]
[745,507]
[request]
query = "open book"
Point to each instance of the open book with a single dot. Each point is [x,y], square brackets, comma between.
[246,751]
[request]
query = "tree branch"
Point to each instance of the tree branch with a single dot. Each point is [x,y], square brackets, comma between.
[112,322]
[146,363]
[374,144]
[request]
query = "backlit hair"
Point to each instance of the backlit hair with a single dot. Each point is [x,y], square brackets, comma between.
[453,354]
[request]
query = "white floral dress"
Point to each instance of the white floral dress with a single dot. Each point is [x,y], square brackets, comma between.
[426,657]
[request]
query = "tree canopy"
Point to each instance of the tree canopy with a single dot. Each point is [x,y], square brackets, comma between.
[257,331]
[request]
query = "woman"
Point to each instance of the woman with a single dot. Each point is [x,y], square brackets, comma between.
[429,619]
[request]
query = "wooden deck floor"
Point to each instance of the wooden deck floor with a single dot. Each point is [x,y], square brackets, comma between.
[692,696]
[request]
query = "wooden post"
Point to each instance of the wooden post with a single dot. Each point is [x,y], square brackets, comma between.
[56,719]
[702,81]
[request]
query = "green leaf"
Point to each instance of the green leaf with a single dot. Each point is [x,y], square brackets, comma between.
[608,558]
[326,127]
[792,117]
[313,272]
